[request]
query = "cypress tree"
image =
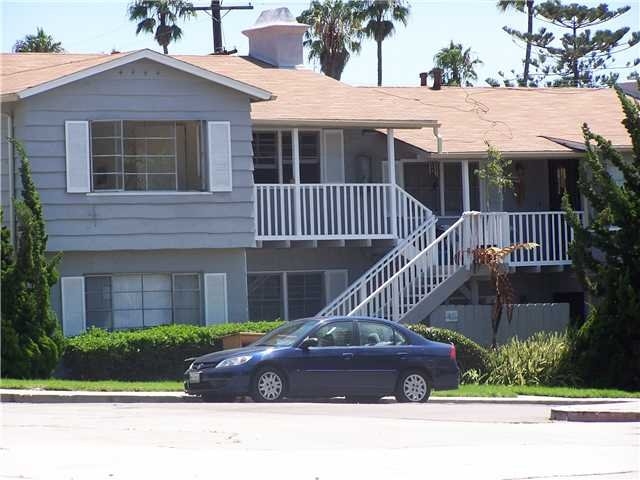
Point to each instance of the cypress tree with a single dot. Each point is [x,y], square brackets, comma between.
[606,255]
[32,340]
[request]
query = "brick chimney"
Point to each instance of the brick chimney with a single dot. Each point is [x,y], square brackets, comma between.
[423,79]
[437,78]
[276,38]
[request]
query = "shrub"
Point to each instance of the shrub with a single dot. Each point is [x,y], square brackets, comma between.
[538,360]
[471,356]
[156,353]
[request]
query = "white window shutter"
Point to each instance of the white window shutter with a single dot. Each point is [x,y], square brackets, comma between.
[73,306]
[78,158]
[215,298]
[219,150]
[335,282]
[333,156]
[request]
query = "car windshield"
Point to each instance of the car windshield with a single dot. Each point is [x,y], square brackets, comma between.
[288,334]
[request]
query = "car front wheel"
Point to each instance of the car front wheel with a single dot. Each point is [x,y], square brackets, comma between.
[268,386]
[413,387]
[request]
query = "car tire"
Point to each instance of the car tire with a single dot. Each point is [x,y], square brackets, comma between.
[362,398]
[413,387]
[269,385]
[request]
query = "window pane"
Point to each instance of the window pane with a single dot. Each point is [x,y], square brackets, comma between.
[161,164]
[265,296]
[153,317]
[105,129]
[187,316]
[306,294]
[182,299]
[335,335]
[161,147]
[99,319]
[134,165]
[375,334]
[105,146]
[127,319]
[159,129]
[135,146]
[107,182]
[98,301]
[107,164]
[135,182]
[162,181]
[186,282]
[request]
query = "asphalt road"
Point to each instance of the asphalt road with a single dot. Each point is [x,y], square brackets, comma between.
[314,441]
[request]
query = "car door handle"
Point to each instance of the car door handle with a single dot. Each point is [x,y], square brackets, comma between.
[402,355]
[347,356]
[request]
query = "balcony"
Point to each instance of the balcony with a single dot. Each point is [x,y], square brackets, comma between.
[344,211]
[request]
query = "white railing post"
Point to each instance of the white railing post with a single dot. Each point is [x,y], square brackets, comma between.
[295,145]
[391,166]
[466,197]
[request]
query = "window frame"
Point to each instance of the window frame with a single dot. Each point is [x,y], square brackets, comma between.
[200,160]
[280,162]
[171,308]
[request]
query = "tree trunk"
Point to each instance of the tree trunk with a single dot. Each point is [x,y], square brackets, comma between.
[527,55]
[379,42]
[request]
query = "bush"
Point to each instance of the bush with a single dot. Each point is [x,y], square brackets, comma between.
[471,356]
[538,360]
[156,353]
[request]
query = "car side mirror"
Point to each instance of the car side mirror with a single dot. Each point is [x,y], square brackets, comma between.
[309,342]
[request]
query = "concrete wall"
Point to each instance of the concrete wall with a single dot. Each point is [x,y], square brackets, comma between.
[229,261]
[474,321]
[79,221]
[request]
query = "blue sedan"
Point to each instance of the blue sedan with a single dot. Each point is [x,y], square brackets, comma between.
[360,358]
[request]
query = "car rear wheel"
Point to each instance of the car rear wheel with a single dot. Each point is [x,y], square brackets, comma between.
[413,387]
[268,385]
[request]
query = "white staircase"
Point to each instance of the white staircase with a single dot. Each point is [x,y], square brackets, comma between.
[423,271]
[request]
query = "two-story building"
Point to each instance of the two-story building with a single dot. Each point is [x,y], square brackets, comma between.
[210,189]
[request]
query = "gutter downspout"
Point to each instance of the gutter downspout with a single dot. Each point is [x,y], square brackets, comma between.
[11,173]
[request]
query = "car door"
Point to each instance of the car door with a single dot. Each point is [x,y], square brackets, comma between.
[325,370]
[379,358]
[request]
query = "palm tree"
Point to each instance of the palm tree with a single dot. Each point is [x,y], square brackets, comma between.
[334,33]
[457,65]
[520,5]
[380,16]
[40,42]
[160,15]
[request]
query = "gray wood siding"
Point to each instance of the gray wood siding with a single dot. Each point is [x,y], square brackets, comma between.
[5,198]
[101,221]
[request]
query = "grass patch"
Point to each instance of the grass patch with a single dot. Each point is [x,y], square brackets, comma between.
[93,386]
[471,390]
[474,390]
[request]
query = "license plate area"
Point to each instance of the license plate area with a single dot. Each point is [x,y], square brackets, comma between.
[194,377]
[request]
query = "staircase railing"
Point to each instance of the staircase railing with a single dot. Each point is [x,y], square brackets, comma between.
[416,225]
[427,270]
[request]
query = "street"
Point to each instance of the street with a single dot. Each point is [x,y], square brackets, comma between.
[314,441]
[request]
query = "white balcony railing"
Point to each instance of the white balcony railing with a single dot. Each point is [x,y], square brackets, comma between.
[336,211]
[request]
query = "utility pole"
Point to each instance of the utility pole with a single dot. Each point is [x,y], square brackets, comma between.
[216,23]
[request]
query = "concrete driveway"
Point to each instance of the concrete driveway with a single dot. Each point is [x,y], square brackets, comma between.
[314,441]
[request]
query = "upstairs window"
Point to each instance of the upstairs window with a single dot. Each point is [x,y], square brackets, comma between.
[273,158]
[146,156]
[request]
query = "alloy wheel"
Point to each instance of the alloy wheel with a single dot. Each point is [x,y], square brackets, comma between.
[270,385]
[414,387]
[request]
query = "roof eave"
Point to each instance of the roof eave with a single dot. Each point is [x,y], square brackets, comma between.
[255,93]
[344,123]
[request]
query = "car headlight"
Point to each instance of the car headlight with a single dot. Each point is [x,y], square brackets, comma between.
[234,361]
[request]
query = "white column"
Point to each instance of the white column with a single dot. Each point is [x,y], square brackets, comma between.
[441,179]
[391,166]
[295,146]
[466,198]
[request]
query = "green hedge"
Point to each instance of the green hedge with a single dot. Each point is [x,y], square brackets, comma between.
[156,353]
[470,355]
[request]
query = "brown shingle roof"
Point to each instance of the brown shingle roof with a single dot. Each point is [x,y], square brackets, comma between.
[513,119]
[303,96]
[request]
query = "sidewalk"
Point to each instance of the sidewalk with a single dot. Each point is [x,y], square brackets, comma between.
[567,409]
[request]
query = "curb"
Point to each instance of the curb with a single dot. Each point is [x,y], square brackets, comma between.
[51,396]
[567,415]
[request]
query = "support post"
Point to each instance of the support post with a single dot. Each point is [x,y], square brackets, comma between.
[441,180]
[466,197]
[295,146]
[391,166]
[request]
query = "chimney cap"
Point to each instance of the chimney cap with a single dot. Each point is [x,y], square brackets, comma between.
[276,17]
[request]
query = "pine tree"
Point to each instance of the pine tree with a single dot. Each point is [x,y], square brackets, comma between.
[582,55]
[31,341]
[606,256]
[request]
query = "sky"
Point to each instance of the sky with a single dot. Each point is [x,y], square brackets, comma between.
[90,26]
